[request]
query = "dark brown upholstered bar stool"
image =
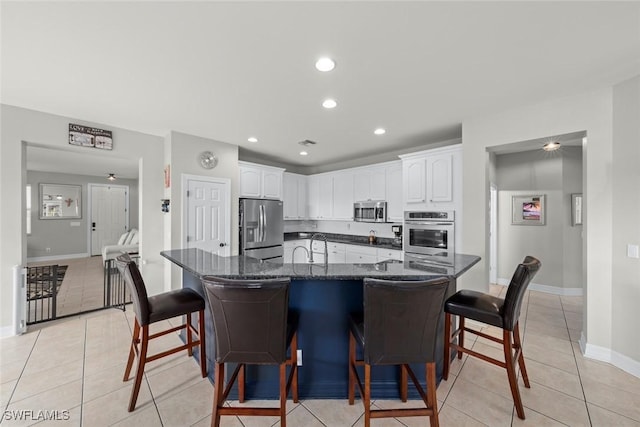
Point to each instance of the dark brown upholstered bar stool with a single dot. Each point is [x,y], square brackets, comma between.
[399,326]
[148,310]
[498,312]
[252,325]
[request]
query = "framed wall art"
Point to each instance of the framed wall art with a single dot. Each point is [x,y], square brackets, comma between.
[576,209]
[528,210]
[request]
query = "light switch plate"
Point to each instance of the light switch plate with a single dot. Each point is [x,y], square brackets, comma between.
[633,251]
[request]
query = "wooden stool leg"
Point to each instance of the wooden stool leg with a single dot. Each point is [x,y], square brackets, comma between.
[447,346]
[461,335]
[403,383]
[367,395]
[203,352]
[283,395]
[432,401]
[135,338]
[142,359]
[217,394]
[518,345]
[511,373]
[352,364]
[294,366]
[189,335]
[241,383]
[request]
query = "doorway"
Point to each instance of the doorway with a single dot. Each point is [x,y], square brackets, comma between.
[206,209]
[108,215]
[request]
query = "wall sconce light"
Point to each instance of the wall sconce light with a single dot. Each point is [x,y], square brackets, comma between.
[112,177]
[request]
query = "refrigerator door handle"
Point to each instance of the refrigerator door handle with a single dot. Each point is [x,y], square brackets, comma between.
[264,222]
[261,224]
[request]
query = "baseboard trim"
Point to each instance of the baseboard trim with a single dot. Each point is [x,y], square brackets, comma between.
[7,331]
[607,355]
[57,257]
[565,292]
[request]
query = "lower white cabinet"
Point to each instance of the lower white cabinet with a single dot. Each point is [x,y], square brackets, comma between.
[300,254]
[361,255]
[386,254]
[337,253]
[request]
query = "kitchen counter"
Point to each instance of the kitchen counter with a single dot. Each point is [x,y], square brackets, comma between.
[349,239]
[323,297]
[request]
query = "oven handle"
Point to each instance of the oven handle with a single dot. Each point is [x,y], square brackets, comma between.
[428,223]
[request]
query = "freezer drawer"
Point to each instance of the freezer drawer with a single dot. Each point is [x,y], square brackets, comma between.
[265,253]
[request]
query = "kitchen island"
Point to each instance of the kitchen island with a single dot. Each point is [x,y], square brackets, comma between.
[323,296]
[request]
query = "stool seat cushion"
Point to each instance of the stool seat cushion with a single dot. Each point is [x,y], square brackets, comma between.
[478,306]
[174,303]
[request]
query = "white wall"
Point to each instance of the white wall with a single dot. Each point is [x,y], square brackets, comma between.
[591,112]
[20,126]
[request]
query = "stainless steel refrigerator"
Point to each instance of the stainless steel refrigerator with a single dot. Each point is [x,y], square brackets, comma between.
[261,229]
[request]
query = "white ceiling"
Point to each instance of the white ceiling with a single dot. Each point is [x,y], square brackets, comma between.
[231,70]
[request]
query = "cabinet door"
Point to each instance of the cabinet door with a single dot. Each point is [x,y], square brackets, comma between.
[378,184]
[361,186]
[439,178]
[325,197]
[361,255]
[394,192]
[302,197]
[343,195]
[414,181]
[387,254]
[250,182]
[272,185]
[290,196]
[337,254]
[313,197]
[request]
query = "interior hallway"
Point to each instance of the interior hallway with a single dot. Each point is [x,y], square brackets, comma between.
[77,363]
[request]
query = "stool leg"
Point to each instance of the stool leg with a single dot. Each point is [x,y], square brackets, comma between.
[203,352]
[403,383]
[432,401]
[241,383]
[135,338]
[352,364]
[294,366]
[367,395]
[142,359]
[283,395]
[189,335]
[511,373]
[217,394]
[518,344]
[461,335]
[447,346]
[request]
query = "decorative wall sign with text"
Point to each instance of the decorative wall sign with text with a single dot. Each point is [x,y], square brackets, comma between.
[86,136]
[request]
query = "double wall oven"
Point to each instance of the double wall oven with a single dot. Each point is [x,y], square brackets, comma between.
[429,236]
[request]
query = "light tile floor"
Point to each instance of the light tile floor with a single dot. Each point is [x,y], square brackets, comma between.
[76,364]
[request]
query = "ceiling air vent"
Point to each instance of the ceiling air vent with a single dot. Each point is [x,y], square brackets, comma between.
[307,142]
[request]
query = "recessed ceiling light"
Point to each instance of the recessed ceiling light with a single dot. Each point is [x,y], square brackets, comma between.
[551,146]
[325,64]
[252,139]
[111,177]
[380,131]
[303,153]
[329,103]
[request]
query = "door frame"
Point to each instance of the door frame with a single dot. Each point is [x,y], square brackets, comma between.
[185,178]
[493,233]
[90,187]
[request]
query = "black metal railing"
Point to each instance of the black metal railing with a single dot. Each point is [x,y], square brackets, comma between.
[116,293]
[43,284]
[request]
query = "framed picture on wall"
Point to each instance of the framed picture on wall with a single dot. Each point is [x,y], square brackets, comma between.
[576,209]
[528,210]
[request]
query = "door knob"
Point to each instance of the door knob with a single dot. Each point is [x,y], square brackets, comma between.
[222,245]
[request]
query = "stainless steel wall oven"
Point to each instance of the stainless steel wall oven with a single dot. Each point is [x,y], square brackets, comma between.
[430,236]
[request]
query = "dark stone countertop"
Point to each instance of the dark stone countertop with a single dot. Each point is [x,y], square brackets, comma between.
[201,263]
[349,239]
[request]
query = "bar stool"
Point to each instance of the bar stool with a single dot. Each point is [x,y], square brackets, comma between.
[148,310]
[252,325]
[498,312]
[399,326]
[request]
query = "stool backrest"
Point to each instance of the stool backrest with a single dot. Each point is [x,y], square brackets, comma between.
[515,292]
[401,320]
[249,319]
[132,277]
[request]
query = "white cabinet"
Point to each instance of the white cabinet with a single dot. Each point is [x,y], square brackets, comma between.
[259,181]
[325,197]
[386,254]
[361,255]
[294,196]
[369,183]
[337,253]
[393,184]
[432,179]
[342,195]
[313,197]
[300,254]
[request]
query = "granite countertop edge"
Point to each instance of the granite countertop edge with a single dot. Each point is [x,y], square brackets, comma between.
[349,239]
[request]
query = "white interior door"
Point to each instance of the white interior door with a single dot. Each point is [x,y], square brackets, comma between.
[109,216]
[208,224]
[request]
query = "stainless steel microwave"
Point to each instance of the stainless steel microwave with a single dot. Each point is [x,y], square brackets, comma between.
[370,211]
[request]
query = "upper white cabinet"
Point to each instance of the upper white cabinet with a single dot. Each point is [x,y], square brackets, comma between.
[313,197]
[325,196]
[259,181]
[369,184]
[432,179]
[343,195]
[393,185]
[294,196]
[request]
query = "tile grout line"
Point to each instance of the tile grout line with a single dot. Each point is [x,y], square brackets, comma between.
[84,358]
